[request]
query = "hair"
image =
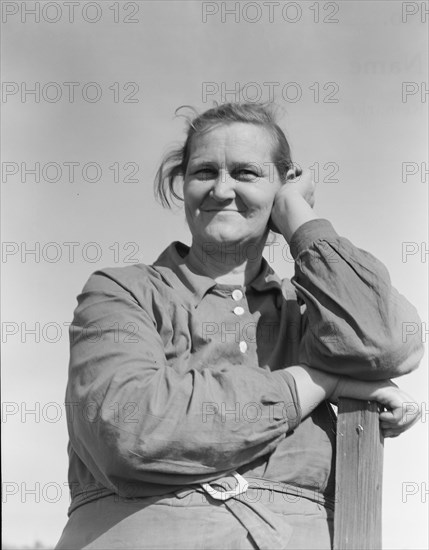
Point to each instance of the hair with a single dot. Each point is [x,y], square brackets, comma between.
[175,162]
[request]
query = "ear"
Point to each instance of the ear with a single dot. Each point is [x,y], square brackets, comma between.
[293,173]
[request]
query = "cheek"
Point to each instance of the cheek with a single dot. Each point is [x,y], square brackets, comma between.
[189,199]
[192,202]
[192,193]
[262,203]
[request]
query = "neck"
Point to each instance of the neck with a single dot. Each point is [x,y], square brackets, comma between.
[227,263]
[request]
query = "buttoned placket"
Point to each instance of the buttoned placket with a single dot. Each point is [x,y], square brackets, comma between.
[238,295]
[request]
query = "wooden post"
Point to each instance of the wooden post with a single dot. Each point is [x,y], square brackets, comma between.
[359,472]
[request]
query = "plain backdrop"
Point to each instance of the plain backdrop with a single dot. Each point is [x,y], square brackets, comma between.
[349,80]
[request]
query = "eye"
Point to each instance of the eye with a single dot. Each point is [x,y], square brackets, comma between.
[244,174]
[205,174]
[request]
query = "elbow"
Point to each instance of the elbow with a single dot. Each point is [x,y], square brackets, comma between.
[396,348]
[386,354]
[397,351]
[401,348]
[401,355]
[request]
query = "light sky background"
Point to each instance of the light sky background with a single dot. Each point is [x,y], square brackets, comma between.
[170,52]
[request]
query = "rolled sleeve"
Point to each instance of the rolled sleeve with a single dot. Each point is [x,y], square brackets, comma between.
[354,319]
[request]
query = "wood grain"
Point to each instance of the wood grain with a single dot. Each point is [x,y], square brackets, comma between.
[359,474]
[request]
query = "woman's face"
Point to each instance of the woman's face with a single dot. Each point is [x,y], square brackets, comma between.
[230,184]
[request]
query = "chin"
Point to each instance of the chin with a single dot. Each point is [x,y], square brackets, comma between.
[223,236]
[222,232]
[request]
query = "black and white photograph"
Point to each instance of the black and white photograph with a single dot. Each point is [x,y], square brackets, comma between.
[214,246]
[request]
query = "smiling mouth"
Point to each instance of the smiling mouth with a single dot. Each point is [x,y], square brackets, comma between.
[223,210]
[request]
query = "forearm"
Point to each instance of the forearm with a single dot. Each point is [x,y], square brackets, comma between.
[313,386]
[173,423]
[355,318]
[360,389]
[295,212]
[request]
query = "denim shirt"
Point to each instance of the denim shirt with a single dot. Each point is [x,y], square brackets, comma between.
[175,380]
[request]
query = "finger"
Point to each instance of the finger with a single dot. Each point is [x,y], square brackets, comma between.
[396,427]
[399,416]
[394,430]
[401,423]
[387,416]
[395,416]
[390,434]
[387,425]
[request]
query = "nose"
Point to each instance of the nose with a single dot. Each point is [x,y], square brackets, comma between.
[223,187]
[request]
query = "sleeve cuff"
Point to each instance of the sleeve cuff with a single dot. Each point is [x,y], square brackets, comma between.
[308,233]
[292,406]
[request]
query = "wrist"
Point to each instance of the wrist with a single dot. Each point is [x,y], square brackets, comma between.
[306,377]
[364,390]
[338,390]
[292,212]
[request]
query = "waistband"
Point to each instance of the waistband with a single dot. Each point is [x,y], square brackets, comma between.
[267,529]
[292,493]
[246,499]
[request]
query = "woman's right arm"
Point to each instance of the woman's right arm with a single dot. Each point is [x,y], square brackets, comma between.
[314,386]
[134,415]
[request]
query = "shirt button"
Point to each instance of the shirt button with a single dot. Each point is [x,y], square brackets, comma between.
[237,295]
[243,347]
[238,310]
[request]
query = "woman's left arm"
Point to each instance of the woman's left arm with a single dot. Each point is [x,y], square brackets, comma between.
[355,323]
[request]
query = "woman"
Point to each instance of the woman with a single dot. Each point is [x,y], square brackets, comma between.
[200,384]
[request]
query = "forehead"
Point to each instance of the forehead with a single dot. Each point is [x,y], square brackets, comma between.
[237,141]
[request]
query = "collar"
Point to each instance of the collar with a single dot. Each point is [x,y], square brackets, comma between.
[172,266]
